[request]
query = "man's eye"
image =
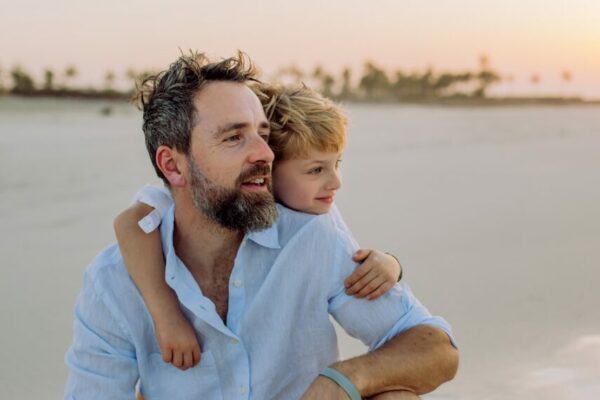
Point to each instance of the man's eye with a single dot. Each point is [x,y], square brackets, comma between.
[316,171]
[265,137]
[337,163]
[232,138]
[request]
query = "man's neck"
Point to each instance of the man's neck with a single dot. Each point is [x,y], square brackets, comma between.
[201,243]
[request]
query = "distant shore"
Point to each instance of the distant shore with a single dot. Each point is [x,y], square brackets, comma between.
[458,101]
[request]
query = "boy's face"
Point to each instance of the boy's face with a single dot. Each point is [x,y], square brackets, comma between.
[308,184]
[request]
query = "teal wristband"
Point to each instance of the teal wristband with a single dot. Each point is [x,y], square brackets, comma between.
[342,382]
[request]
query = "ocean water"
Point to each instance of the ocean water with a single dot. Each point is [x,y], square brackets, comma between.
[494,213]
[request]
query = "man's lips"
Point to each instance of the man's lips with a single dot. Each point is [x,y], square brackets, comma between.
[256,183]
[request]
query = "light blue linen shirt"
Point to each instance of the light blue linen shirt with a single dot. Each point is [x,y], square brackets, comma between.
[286,282]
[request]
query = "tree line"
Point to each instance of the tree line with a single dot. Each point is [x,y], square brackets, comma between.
[374,84]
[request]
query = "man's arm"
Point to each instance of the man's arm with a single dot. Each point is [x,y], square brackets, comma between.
[417,360]
[410,348]
[101,360]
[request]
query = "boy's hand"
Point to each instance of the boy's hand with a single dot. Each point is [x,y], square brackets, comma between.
[178,343]
[377,274]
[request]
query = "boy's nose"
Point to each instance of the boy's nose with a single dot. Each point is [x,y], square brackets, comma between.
[335,181]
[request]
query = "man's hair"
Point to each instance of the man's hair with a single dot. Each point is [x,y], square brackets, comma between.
[301,121]
[167,98]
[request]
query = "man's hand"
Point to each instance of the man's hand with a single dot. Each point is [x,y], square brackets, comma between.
[324,389]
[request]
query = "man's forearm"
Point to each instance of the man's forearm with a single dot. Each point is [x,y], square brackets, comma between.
[419,360]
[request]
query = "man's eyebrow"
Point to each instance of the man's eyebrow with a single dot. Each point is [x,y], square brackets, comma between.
[265,125]
[237,125]
[229,127]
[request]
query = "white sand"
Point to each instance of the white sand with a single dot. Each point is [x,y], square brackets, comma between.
[493,211]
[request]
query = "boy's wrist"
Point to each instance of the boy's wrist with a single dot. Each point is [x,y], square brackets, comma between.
[399,265]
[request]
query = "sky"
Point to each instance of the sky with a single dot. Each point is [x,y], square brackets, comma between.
[520,37]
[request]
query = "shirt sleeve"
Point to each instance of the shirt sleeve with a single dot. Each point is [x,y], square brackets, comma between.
[156,197]
[339,222]
[377,321]
[101,360]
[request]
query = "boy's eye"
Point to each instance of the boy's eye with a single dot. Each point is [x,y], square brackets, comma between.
[337,163]
[265,137]
[316,170]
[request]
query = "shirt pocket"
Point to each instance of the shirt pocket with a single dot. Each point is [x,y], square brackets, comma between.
[164,381]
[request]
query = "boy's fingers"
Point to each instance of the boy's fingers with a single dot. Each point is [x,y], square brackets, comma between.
[167,355]
[360,255]
[384,287]
[188,360]
[357,275]
[196,354]
[370,287]
[361,283]
[178,359]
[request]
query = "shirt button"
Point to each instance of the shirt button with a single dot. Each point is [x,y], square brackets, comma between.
[237,283]
[242,390]
[233,341]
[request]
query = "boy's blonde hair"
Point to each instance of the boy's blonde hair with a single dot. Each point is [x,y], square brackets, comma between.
[301,121]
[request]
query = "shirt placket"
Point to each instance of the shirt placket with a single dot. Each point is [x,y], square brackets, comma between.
[236,306]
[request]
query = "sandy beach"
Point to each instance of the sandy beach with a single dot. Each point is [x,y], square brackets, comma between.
[494,213]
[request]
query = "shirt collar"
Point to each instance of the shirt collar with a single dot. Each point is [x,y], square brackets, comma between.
[268,237]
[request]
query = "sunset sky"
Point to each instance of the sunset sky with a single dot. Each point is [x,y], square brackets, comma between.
[521,37]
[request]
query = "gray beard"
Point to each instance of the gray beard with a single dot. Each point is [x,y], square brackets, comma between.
[232,208]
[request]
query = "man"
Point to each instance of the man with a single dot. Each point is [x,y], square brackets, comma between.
[256,280]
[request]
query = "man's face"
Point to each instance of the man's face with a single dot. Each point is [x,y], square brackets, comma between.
[230,162]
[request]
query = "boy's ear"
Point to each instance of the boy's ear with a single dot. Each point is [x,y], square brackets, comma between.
[171,163]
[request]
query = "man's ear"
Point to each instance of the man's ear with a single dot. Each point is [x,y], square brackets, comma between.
[171,164]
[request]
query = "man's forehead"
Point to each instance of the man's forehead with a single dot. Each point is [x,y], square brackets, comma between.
[232,96]
[224,104]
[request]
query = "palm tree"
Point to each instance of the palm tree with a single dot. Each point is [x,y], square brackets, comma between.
[374,82]
[109,80]
[22,81]
[486,76]
[326,80]
[346,91]
[48,79]
[70,73]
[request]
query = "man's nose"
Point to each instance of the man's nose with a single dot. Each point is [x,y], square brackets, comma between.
[260,152]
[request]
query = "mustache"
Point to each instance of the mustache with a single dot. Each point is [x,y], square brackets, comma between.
[255,171]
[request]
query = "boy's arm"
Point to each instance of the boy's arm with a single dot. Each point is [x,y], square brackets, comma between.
[377,274]
[144,260]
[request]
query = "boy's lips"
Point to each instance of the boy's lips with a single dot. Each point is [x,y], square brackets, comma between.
[326,199]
